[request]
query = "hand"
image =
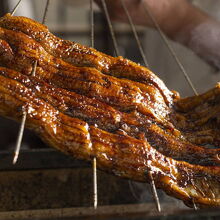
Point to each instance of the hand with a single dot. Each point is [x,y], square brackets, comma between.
[178,19]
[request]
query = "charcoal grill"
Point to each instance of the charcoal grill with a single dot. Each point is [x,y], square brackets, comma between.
[49,165]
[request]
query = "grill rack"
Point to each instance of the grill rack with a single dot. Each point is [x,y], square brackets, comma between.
[117,53]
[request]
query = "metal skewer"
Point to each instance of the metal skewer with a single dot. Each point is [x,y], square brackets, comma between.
[115,44]
[43,22]
[95,188]
[16,7]
[24,117]
[170,48]
[154,192]
[135,33]
[92,23]
[45,12]
[21,129]
[194,205]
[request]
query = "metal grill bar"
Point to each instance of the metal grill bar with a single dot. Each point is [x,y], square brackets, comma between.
[115,44]
[125,212]
[170,48]
[16,7]
[135,33]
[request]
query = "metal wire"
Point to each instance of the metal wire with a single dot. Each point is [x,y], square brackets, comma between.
[15,8]
[24,116]
[135,33]
[115,44]
[173,53]
[45,12]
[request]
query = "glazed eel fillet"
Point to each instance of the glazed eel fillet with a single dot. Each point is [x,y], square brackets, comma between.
[88,104]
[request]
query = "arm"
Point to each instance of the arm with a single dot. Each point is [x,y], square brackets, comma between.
[179,20]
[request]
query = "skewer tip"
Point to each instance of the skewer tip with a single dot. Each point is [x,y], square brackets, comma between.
[194,205]
[15,158]
[19,139]
[95,191]
[154,192]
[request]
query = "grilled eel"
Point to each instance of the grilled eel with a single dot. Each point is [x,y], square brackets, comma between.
[120,154]
[141,108]
[80,55]
[131,123]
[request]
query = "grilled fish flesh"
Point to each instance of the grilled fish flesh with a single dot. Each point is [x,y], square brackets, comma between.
[88,104]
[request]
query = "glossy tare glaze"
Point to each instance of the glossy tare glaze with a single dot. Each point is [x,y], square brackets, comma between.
[79,55]
[140,108]
[88,104]
[49,115]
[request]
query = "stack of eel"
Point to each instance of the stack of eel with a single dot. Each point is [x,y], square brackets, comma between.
[88,104]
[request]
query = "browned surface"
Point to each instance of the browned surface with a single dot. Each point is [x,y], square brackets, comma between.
[202,116]
[132,126]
